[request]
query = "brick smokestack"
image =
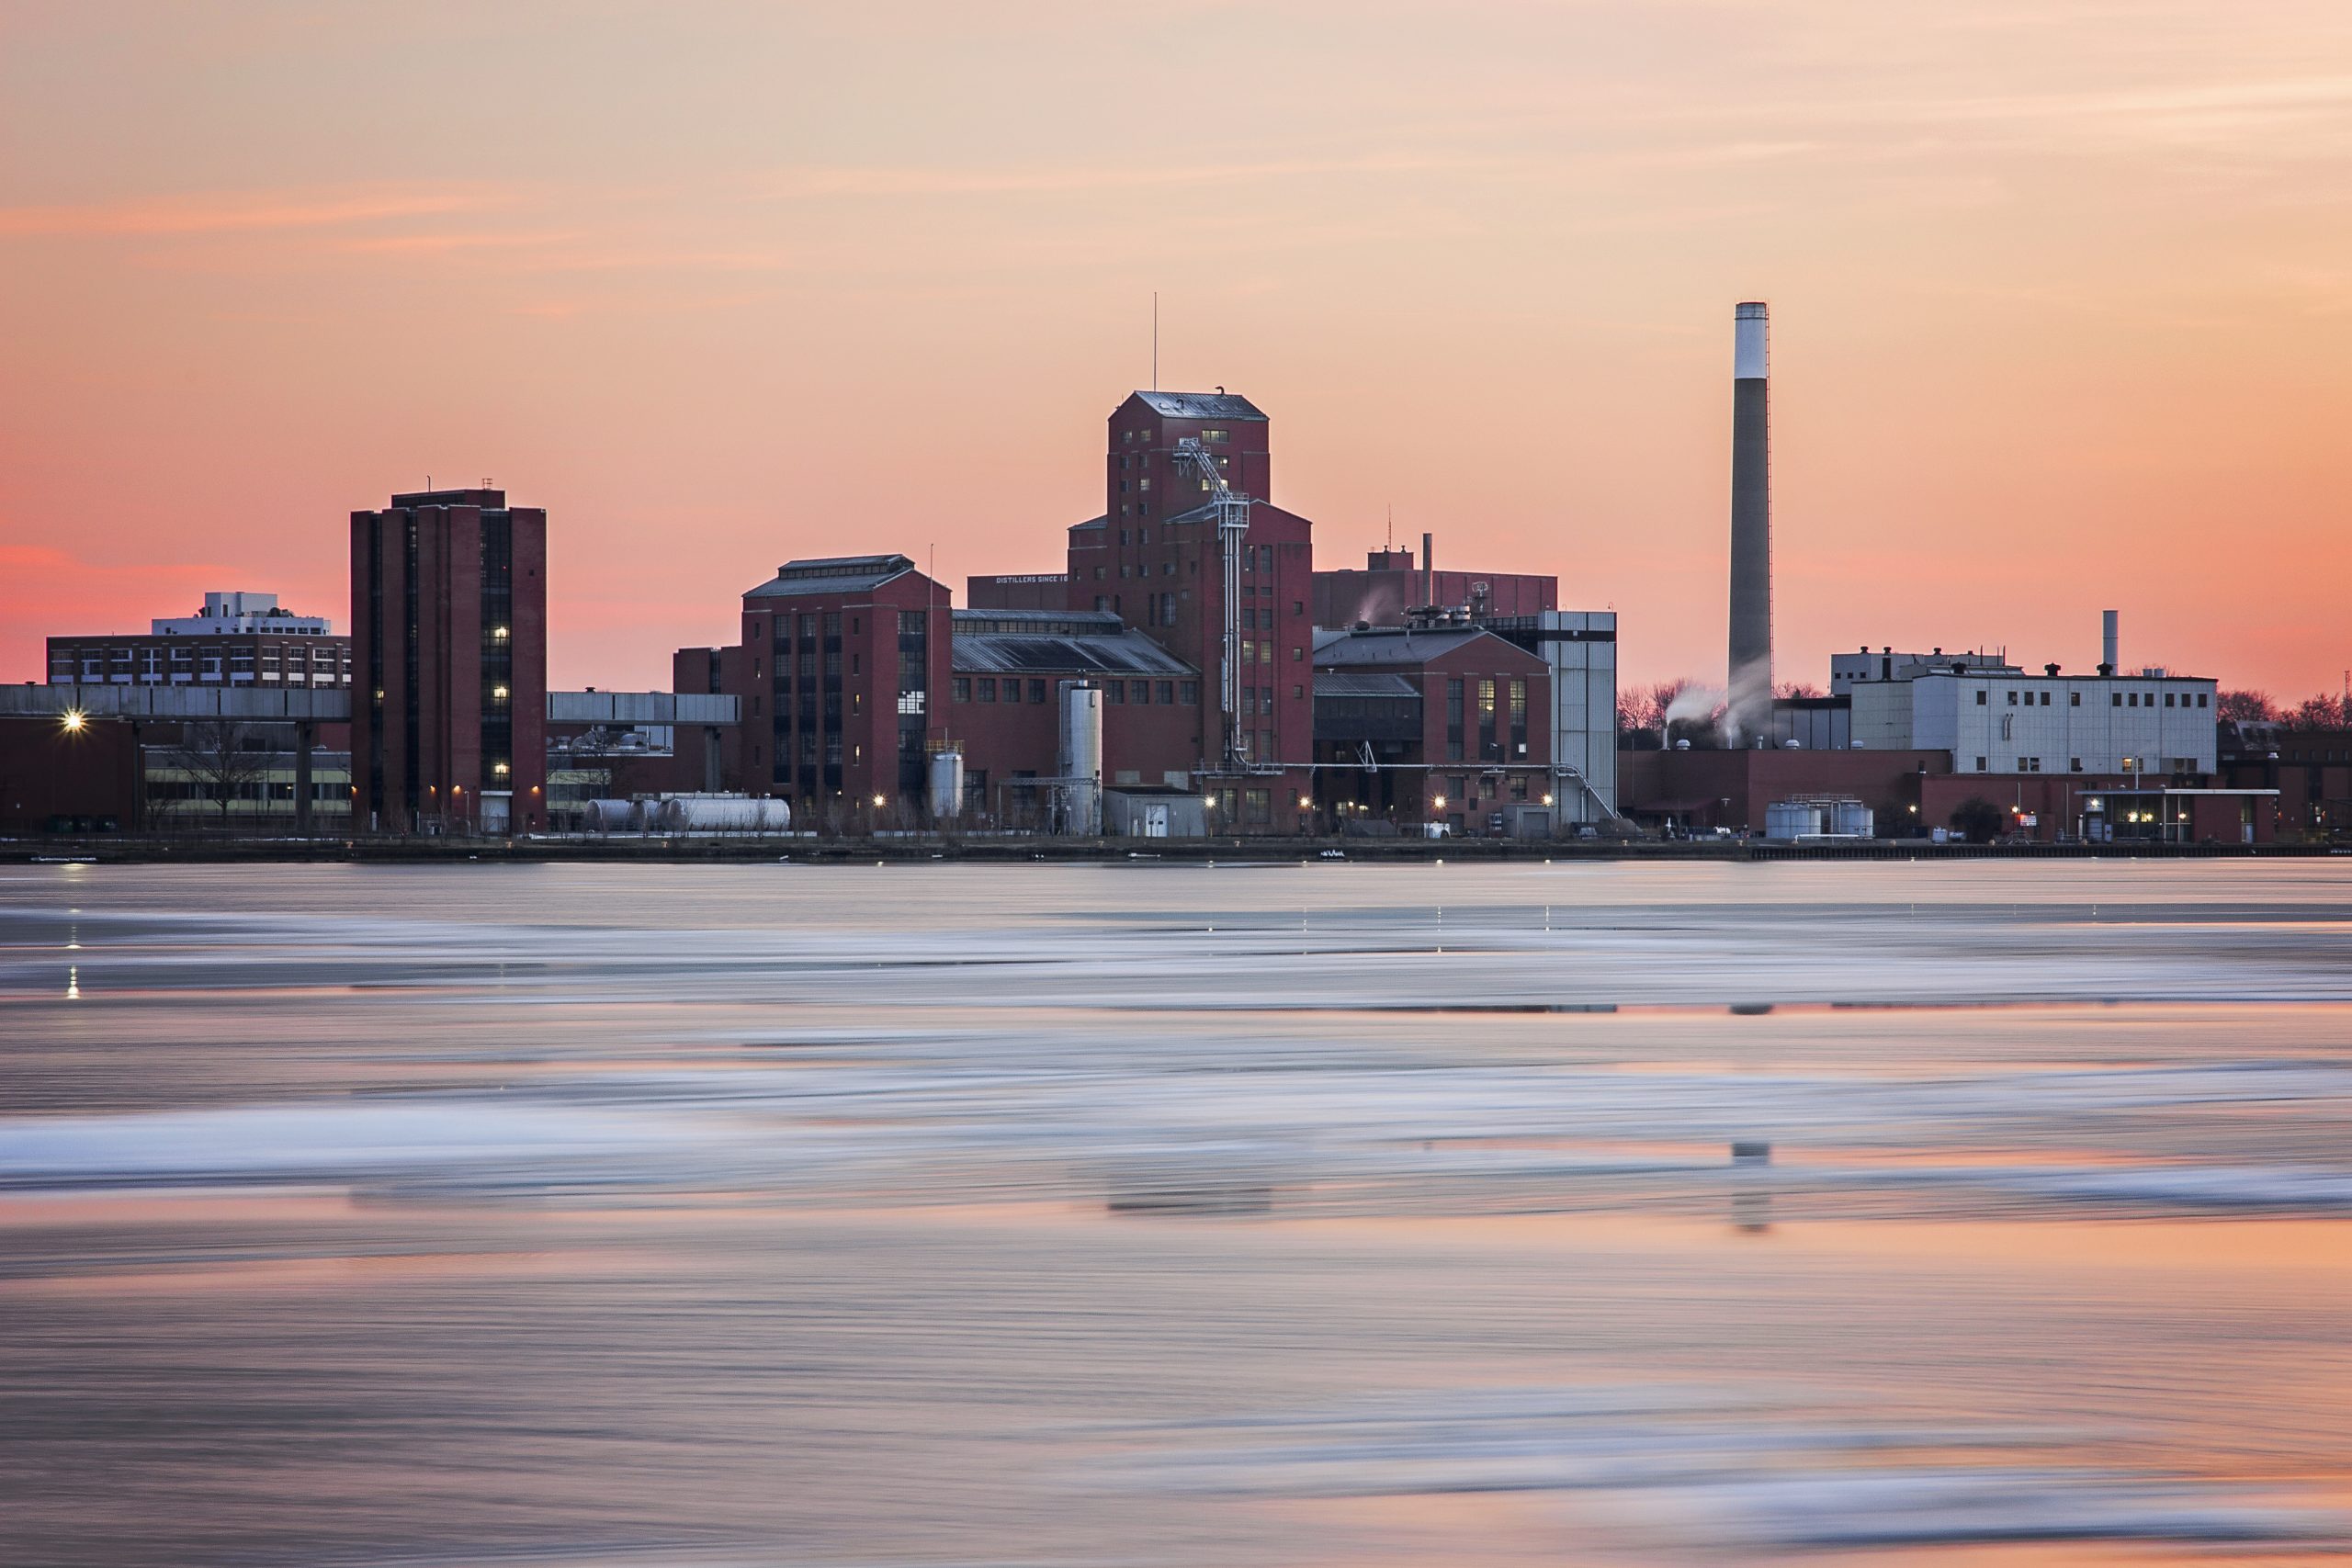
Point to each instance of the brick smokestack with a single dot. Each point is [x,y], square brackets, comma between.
[1750,694]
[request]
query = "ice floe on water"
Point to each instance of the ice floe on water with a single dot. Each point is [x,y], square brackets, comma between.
[1669,1466]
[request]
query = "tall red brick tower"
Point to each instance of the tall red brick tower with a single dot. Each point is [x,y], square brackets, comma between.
[1154,556]
[449,684]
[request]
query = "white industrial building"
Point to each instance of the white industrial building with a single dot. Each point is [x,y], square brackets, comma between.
[2006,721]
[1993,717]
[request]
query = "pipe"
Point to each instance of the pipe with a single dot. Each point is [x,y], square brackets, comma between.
[1429,572]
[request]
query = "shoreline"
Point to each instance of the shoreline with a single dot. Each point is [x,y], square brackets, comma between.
[114,850]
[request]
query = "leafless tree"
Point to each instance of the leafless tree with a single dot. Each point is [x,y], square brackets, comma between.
[221,757]
[2247,707]
[2322,712]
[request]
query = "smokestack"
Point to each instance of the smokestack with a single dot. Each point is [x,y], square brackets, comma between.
[2106,642]
[1429,570]
[1750,699]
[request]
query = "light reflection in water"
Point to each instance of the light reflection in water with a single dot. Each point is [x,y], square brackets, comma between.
[951,1214]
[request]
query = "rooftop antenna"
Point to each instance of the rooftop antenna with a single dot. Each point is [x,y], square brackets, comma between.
[1155,340]
[1392,526]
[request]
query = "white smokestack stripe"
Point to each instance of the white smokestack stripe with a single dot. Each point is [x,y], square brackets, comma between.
[1751,353]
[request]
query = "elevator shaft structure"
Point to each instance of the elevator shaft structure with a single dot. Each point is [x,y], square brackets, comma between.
[1232,510]
[1749,695]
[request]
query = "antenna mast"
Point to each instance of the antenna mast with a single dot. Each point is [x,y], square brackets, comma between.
[1155,340]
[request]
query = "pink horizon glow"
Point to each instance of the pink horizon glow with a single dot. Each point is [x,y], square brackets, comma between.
[2060,296]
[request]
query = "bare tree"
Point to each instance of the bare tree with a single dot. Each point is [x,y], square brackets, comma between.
[1787,688]
[2247,707]
[221,757]
[2322,712]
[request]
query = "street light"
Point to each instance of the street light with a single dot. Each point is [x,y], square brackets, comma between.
[75,721]
[1439,801]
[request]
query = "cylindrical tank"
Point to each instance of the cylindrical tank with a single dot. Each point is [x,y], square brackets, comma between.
[1082,760]
[608,816]
[946,785]
[1850,817]
[1791,819]
[718,814]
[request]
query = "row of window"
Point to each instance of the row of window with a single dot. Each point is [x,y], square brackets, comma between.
[1207,437]
[2116,699]
[991,688]
[2075,765]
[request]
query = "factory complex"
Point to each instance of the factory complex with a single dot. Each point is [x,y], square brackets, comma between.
[1192,671]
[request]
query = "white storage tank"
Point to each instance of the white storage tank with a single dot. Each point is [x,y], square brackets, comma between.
[1850,818]
[608,816]
[1081,758]
[946,785]
[718,814]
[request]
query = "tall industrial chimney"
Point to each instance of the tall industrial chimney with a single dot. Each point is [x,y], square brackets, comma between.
[1750,696]
[1428,571]
[2106,642]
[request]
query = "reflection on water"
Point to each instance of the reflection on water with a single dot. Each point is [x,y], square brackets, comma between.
[1310,1215]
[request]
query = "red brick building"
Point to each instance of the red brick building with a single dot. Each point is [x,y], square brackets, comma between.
[1004,704]
[449,611]
[1155,558]
[1390,585]
[2310,769]
[843,660]
[1724,788]
[1447,724]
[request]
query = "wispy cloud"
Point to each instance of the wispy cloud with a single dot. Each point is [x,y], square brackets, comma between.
[216,212]
[823,181]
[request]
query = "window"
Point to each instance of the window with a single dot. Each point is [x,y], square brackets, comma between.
[2076,765]
[1297,691]
[2074,699]
[987,688]
[1144,483]
[1114,691]
[2116,698]
[1012,691]
[2013,699]
[1980,698]
[1142,692]
[1298,654]
[2201,699]
[2168,699]
[1980,764]
[2045,699]
[1191,692]
[1168,691]
[1036,691]
[1454,721]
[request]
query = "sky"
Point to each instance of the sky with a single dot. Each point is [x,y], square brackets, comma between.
[2061,293]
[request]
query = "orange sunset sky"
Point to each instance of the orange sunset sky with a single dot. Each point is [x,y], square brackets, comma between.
[2062,298]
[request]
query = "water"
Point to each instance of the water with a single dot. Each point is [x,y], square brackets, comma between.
[1152,1212]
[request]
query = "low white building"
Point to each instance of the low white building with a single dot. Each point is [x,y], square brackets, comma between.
[238,611]
[2002,721]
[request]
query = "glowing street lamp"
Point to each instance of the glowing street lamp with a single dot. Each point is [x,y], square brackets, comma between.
[74,721]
